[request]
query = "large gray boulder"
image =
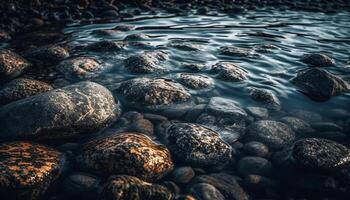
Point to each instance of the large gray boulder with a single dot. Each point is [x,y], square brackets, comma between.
[85,107]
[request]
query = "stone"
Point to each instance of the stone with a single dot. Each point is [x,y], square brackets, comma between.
[79,68]
[106,32]
[299,126]
[305,115]
[274,134]
[319,84]
[265,97]
[154,91]
[227,71]
[258,112]
[225,183]
[27,170]
[22,88]
[185,46]
[182,175]
[123,187]
[313,153]
[127,153]
[81,184]
[235,51]
[147,62]
[318,60]
[204,191]
[106,46]
[254,165]
[11,65]
[4,36]
[194,66]
[196,81]
[197,145]
[50,54]
[256,149]
[68,112]
[136,37]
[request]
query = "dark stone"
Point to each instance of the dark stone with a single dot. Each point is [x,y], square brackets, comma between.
[182,175]
[106,46]
[299,126]
[256,149]
[318,60]
[11,65]
[229,72]
[47,54]
[196,81]
[204,191]
[235,51]
[81,184]
[136,37]
[147,62]
[79,68]
[258,112]
[265,97]
[254,165]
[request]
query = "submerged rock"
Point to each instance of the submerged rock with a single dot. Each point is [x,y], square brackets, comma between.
[85,107]
[318,60]
[320,84]
[4,36]
[182,175]
[256,149]
[79,68]
[122,187]
[27,170]
[265,97]
[147,62]
[229,72]
[154,91]
[299,126]
[205,191]
[106,45]
[197,145]
[185,46]
[321,154]
[50,54]
[81,184]
[274,134]
[11,65]
[258,112]
[235,51]
[196,81]
[254,165]
[194,66]
[128,153]
[22,88]
[137,36]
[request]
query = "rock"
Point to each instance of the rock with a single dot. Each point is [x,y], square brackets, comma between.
[133,122]
[194,66]
[154,91]
[258,112]
[229,72]
[320,154]
[28,170]
[182,175]
[79,68]
[50,54]
[235,51]
[85,107]
[274,134]
[299,126]
[11,65]
[326,126]
[81,184]
[256,149]
[197,145]
[193,114]
[185,46]
[254,165]
[318,60]
[124,28]
[204,191]
[106,46]
[22,88]
[259,184]
[305,115]
[320,84]
[106,32]
[175,189]
[219,106]
[265,97]
[128,153]
[136,37]
[4,36]
[147,62]
[196,81]
[225,183]
[124,187]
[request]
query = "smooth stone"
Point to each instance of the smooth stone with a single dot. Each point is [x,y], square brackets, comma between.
[266,97]
[228,71]
[194,66]
[81,184]
[193,114]
[182,175]
[299,126]
[127,153]
[50,54]
[106,46]
[254,165]
[4,36]
[318,60]
[256,149]
[258,112]
[274,134]
[258,184]
[28,170]
[305,115]
[79,68]
[123,187]
[320,154]
[326,126]
[196,82]
[185,46]
[134,122]
[22,88]
[11,65]
[136,37]
[235,51]
[197,145]
[154,91]
[124,28]
[204,191]
[147,62]
[175,189]
[68,112]
[222,107]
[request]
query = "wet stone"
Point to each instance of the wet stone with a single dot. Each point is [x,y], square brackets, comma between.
[154,91]
[123,187]
[28,170]
[4,36]
[319,84]
[182,175]
[47,54]
[79,68]
[106,46]
[265,97]
[204,191]
[318,60]
[254,165]
[258,112]
[128,153]
[137,36]
[106,32]
[124,28]
[68,112]
[22,88]
[305,115]
[134,122]
[321,154]
[299,126]
[196,81]
[11,65]
[194,66]
[185,46]
[256,149]
[235,51]
[147,62]
[81,184]
[229,72]
[197,145]
[274,134]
